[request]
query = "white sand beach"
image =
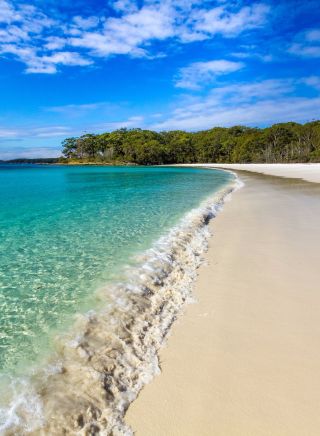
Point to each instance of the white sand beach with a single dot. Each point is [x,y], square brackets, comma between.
[245,358]
[308,172]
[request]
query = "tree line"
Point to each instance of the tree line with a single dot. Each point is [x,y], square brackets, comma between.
[40,160]
[284,142]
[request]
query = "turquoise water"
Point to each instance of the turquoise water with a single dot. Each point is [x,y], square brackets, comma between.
[66,231]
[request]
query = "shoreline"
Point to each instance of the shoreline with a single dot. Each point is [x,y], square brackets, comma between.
[123,341]
[114,353]
[309,172]
[243,359]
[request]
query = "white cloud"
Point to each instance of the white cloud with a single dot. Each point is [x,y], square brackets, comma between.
[77,107]
[50,132]
[21,36]
[28,152]
[35,132]
[200,74]
[7,12]
[42,43]
[312,81]
[264,102]
[205,23]
[125,5]
[241,92]
[307,44]
[304,50]
[265,112]
[313,35]
[253,54]
[127,35]
[54,43]
[132,122]
[8,133]
[100,110]
[258,103]
[57,133]
[86,23]
[58,58]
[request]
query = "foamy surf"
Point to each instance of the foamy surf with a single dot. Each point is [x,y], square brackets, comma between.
[100,369]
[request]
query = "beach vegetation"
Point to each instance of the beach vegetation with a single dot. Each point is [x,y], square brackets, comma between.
[283,142]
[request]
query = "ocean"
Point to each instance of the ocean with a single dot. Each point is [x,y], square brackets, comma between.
[92,246]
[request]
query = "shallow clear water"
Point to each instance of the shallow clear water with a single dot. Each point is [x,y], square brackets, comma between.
[66,231]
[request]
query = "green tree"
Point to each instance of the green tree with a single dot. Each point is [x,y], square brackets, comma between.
[69,148]
[283,142]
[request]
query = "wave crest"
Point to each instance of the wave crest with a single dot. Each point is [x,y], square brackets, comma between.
[101,370]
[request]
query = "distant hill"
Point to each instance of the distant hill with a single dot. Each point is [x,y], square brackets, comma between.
[48,160]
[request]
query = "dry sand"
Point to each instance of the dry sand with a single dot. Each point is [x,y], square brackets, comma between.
[308,172]
[245,359]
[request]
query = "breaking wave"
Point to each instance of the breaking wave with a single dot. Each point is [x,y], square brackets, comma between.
[102,364]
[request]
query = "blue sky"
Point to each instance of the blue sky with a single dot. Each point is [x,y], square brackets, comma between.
[70,67]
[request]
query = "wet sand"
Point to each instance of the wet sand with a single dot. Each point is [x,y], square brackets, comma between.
[245,359]
[309,172]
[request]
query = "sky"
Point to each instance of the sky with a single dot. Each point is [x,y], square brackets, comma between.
[69,67]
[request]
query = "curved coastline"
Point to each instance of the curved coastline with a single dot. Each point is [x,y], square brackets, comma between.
[244,360]
[101,370]
[310,172]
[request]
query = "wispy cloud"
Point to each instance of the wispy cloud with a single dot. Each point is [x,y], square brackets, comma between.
[131,122]
[311,51]
[78,108]
[307,44]
[251,103]
[8,133]
[48,64]
[253,54]
[204,23]
[312,81]
[35,132]
[44,43]
[313,35]
[59,132]
[50,132]
[200,74]
[28,152]
[257,103]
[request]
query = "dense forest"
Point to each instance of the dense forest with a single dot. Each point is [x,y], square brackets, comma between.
[44,160]
[285,142]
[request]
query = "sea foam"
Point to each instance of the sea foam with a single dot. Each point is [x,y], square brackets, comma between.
[101,365]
